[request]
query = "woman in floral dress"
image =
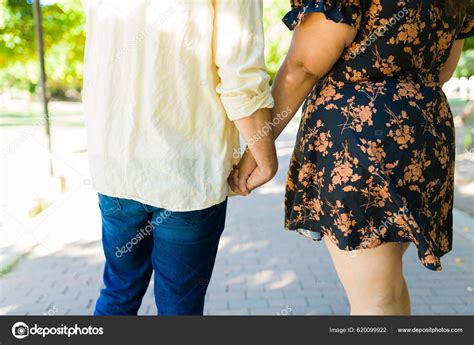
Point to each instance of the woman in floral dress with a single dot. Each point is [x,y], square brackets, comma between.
[373,165]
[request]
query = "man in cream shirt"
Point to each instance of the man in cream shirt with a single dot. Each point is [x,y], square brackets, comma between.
[168,86]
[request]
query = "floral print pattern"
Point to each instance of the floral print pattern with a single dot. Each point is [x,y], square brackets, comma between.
[374,157]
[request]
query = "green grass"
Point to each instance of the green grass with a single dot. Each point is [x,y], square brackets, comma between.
[67,119]
[14,264]
[457,102]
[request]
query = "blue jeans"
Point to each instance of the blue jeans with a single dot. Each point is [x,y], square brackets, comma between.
[180,247]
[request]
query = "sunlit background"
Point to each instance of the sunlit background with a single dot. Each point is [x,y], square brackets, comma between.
[50,254]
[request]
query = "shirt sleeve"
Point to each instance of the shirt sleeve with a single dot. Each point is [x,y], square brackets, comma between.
[244,85]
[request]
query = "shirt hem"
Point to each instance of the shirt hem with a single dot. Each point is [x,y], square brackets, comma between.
[164,206]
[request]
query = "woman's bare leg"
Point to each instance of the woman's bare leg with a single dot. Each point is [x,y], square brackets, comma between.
[373,278]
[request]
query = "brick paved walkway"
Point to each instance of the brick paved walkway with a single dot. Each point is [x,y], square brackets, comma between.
[260,270]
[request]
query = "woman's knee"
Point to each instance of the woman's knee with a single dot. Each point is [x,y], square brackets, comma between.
[387,295]
[379,299]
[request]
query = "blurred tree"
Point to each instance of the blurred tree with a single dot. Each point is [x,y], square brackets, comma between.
[277,35]
[466,63]
[469,44]
[64,44]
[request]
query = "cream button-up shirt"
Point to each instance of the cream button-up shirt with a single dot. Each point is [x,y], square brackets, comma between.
[163,81]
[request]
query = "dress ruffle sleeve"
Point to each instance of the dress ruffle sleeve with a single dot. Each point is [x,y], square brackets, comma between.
[340,11]
[467,29]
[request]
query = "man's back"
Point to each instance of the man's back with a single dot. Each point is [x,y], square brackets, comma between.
[163,80]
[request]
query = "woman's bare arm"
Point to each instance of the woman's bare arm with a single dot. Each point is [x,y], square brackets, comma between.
[450,66]
[316,46]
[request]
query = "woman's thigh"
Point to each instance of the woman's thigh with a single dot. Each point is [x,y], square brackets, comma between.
[370,275]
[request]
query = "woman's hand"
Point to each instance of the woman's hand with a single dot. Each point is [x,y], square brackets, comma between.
[247,175]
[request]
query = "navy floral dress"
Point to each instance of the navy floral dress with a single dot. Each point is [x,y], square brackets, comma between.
[374,157]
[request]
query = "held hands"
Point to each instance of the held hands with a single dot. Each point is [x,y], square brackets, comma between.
[259,164]
[248,175]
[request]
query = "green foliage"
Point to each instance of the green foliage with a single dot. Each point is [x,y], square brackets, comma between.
[469,44]
[277,34]
[466,64]
[64,44]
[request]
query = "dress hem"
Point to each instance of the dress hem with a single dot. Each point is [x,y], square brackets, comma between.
[346,248]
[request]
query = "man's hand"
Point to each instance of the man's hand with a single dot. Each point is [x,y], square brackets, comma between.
[247,175]
[241,173]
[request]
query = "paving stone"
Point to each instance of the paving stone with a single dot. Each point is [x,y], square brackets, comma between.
[219,304]
[249,303]
[283,303]
[463,309]
[274,294]
[265,311]
[443,309]
[239,312]
[340,309]
[315,310]
[422,310]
